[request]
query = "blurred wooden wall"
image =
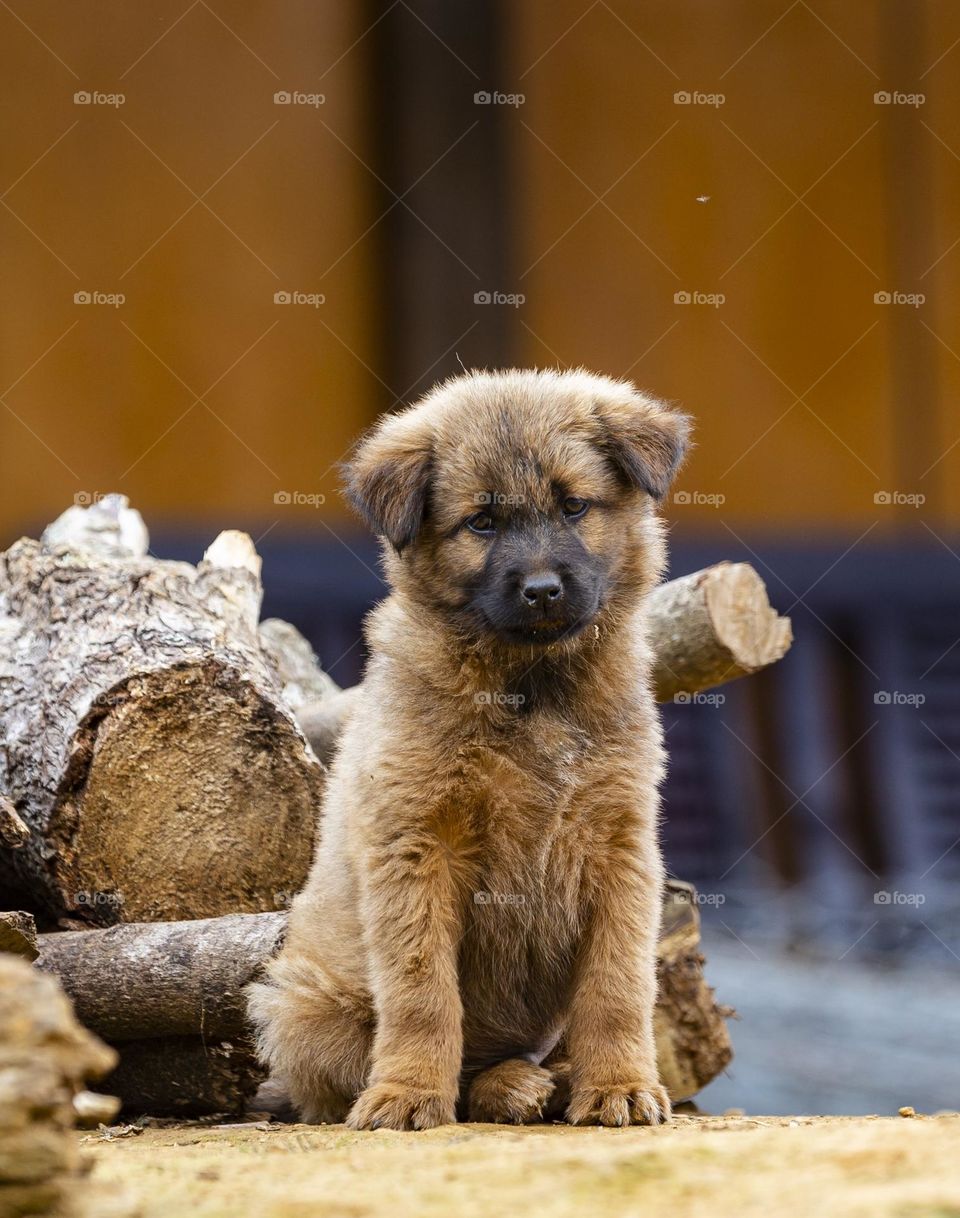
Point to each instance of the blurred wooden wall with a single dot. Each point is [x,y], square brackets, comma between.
[797,198]
[198,199]
[597,199]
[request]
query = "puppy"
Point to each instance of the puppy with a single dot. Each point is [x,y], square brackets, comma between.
[479,928]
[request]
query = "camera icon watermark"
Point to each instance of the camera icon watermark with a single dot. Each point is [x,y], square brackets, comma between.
[913,299]
[514,299]
[899,498]
[694,97]
[497,697]
[498,498]
[294,97]
[703,698]
[882,897]
[487,97]
[94,898]
[893,97]
[712,499]
[298,499]
[112,299]
[713,299]
[93,97]
[499,898]
[896,697]
[313,299]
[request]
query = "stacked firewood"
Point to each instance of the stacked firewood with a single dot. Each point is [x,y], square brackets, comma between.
[161,767]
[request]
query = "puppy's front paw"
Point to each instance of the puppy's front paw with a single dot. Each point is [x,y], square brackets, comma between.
[619,1104]
[514,1092]
[396,1106]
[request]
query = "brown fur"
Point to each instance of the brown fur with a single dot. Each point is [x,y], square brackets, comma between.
[487,879]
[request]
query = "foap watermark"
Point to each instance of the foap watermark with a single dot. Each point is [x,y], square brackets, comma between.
[699,699]
[913,299]
[899,498]
[498,499]
[713,299]
[692,896]
[283,898]
[93,97]
[499,898]
[313,299]
[897,697]
[893,97]
[298,499]
[514,299]
[109,699]
[699,499]
[715,899]
[487,97]
[294,97]
[898,898]
[695,97]
[88,498]
[497,697]
[94,898]
[113,299]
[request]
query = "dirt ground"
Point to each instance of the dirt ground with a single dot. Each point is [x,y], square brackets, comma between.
[698,1167]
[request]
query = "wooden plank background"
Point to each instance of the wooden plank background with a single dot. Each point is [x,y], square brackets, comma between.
[598,199]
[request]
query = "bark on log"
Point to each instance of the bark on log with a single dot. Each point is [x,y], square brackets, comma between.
[711,627]
[168,995]
[186,1076]
[141,980]
[144,737]
[13,832]
[45,1056]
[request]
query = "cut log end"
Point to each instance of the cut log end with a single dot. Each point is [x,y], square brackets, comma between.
[168,786]
[712,627]
[746,624]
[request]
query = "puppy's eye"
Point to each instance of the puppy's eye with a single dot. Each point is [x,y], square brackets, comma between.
[481,522]
[574,507]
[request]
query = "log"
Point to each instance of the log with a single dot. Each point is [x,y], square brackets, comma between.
[136,981]
[711,627]
[186,1076]
[13,832]
[693,1043]
[168,995]
[147,745]
[45,1056]
[18,935]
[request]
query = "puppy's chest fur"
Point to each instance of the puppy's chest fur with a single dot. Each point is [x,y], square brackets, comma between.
[525,801]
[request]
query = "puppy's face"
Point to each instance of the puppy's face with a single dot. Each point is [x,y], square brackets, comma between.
[521,503]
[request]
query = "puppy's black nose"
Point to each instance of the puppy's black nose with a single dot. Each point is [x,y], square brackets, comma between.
[541,589]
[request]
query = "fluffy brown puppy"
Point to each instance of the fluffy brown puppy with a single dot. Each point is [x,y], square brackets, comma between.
[485,897]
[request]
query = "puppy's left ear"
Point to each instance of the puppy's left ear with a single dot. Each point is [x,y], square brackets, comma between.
[388,477]
[644,439]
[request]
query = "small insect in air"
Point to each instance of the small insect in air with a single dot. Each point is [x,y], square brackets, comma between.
[703,198]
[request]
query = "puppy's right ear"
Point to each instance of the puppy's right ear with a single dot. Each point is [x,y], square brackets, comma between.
[388,477]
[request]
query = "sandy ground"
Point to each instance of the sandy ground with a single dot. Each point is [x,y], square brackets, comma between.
[698,1167]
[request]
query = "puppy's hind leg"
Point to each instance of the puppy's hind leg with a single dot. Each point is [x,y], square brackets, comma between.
[315,1042]
[513,1092]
